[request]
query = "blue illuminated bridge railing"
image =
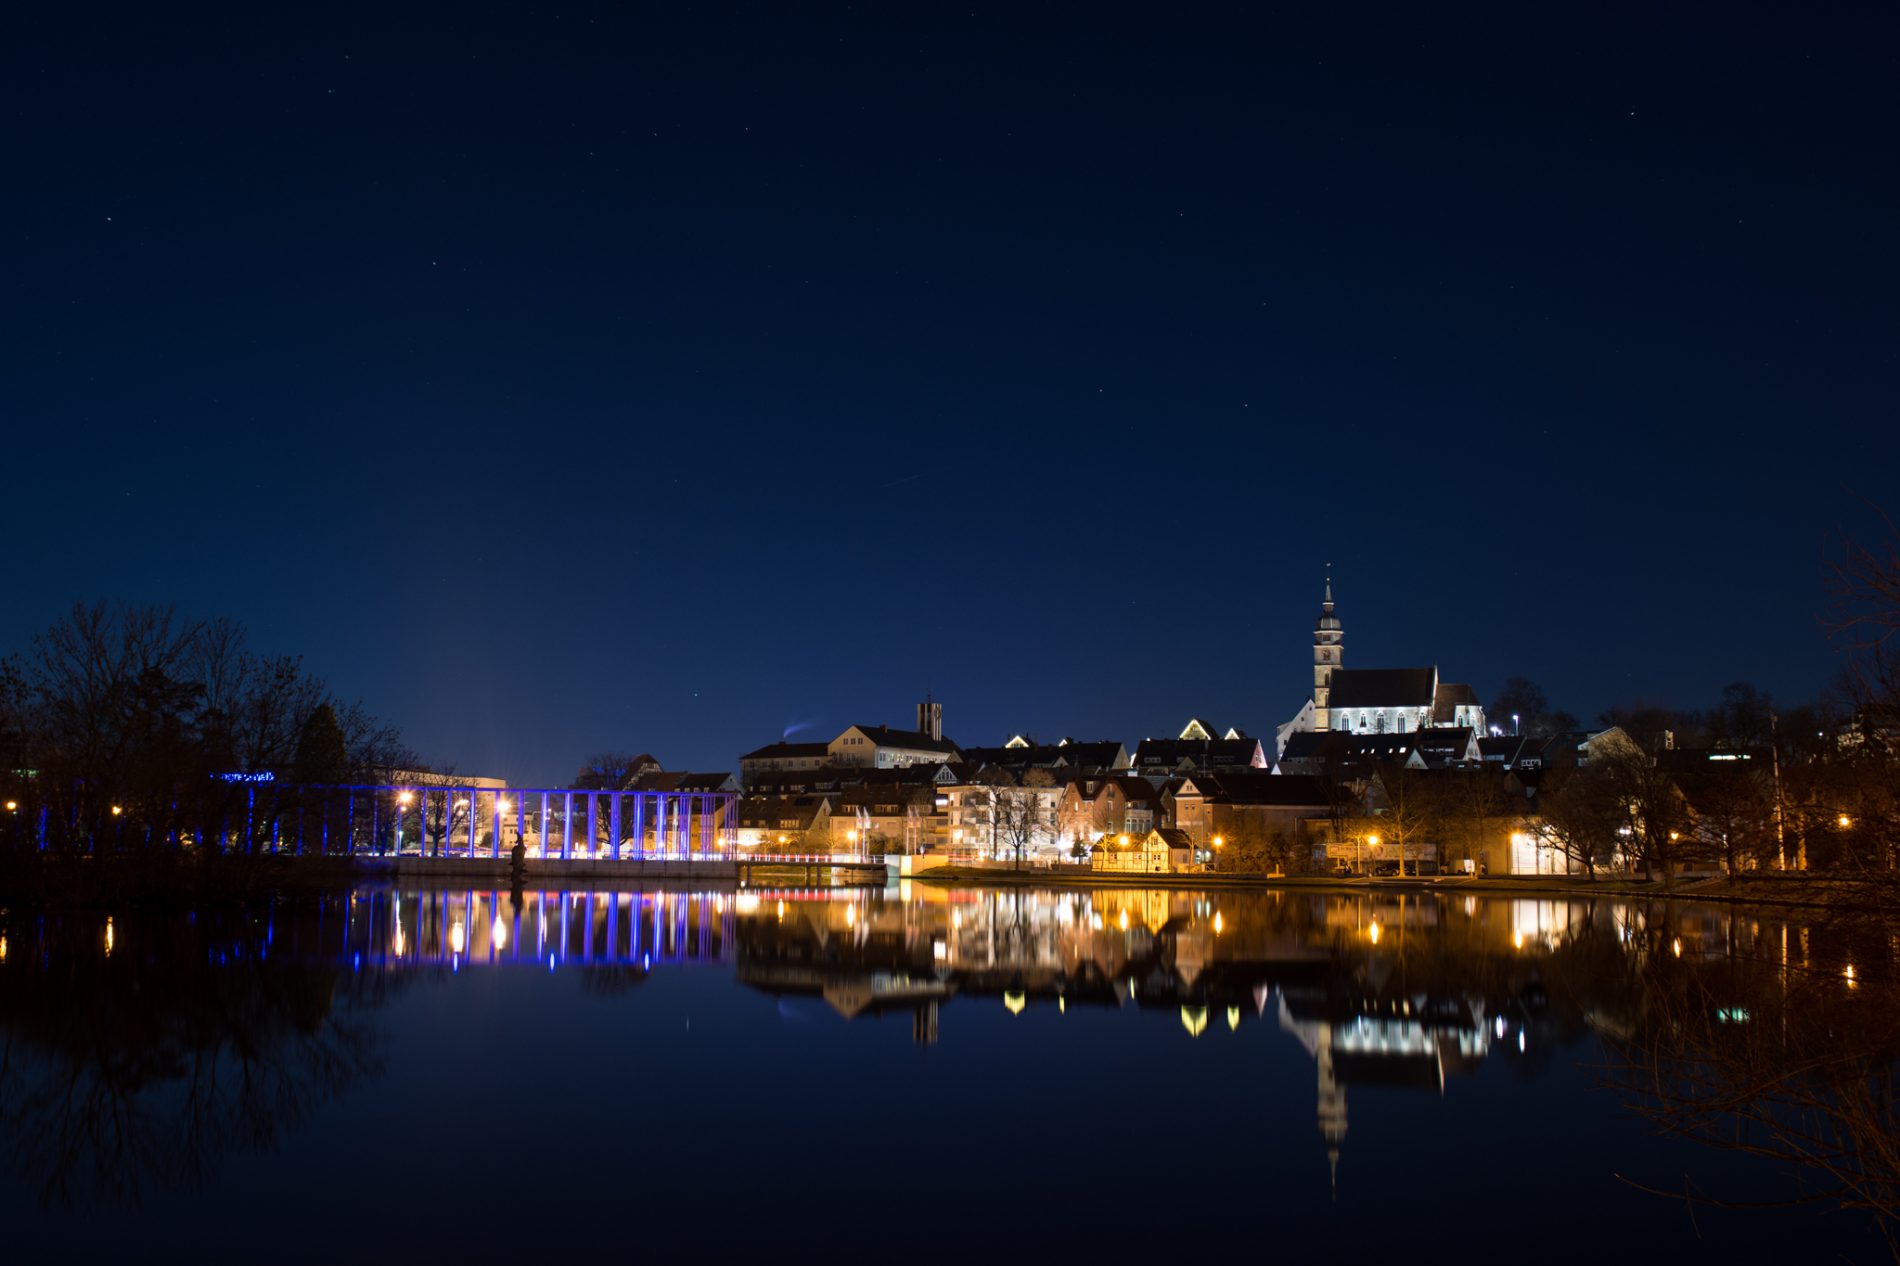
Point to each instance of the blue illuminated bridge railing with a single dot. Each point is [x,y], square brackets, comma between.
[446,820]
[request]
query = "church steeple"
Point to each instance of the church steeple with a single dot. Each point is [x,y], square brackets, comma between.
[1327,636]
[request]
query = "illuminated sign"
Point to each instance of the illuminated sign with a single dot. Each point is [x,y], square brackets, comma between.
[263,775]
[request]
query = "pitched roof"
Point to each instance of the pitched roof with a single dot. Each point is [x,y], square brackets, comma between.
[1504,749]
[770,812]
[787,751]
[1204,753]
[909,740]
[1261,787]
[1338,745]
[1451,696]
[1102,754]
[681,781]
[1382,687]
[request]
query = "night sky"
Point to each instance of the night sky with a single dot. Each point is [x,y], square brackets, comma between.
[556,378]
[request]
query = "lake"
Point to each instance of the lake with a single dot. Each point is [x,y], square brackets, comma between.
[928,1072]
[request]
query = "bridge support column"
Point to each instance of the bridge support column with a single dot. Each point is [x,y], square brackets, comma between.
[567,826]
[593,825]
[613,826]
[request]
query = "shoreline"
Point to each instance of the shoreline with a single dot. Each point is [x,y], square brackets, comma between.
[134,881]
[1798,890]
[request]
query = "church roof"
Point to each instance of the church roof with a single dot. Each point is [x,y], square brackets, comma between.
[1450,697]
[1327,620]
[1383,688]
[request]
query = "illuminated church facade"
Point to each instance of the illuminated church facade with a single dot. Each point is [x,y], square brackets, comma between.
[1378,700]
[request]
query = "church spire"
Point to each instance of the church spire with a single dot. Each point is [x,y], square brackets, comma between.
[1327,635]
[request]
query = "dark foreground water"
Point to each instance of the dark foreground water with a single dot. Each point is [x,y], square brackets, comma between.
[457,1076]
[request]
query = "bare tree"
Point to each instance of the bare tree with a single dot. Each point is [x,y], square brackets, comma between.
[1581,815]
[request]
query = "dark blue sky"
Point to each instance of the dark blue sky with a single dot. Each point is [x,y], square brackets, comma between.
[557,379]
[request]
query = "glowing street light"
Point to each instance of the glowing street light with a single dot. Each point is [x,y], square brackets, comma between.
[13,806]
[117,810]
[1843,821]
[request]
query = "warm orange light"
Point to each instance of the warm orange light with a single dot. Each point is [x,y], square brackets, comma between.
[1374,932]
[403,797]
[1219,842]
[13,806]
[1844,820]
[1373,840]
[116,810]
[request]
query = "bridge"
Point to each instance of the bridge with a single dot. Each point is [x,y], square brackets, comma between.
[446,820]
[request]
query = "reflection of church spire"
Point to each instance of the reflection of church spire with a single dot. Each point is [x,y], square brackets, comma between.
[1332,1104]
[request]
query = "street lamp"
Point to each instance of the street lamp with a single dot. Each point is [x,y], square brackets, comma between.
[402,802]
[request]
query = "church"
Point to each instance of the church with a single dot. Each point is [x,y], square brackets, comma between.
[1377,700]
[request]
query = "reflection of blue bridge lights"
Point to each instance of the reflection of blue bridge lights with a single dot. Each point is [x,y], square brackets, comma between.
[638,930]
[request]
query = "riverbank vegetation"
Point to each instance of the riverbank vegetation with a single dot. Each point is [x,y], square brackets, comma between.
[134,737]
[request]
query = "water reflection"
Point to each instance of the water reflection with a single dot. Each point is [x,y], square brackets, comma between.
[137,1051]
[140,1049]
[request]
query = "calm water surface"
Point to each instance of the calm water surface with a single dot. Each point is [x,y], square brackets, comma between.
[445,1075]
